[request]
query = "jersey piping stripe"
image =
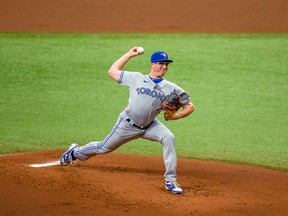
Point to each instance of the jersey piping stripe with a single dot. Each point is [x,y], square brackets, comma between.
[101,144]
[121,76]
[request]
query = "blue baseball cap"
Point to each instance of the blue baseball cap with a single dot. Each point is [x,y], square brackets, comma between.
[160,56]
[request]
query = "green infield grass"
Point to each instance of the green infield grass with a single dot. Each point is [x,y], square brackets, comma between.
[55,90]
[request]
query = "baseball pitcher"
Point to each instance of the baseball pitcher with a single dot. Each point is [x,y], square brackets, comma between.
[149,95]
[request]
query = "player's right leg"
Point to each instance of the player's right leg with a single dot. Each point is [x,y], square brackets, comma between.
[121,133]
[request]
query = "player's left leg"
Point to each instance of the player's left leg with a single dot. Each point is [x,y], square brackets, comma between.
[160,133]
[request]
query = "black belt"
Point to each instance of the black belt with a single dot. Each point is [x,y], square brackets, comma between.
[142,128]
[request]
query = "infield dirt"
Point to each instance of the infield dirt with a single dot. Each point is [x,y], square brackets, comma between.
[119,184]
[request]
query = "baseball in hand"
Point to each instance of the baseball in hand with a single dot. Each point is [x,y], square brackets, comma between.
[140,50]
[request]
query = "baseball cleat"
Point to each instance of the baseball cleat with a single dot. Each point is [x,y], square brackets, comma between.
[174,187]
[66,158]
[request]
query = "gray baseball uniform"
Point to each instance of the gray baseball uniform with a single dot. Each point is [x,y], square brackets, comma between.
[138,120]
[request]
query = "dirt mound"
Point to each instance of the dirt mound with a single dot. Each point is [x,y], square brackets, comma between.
[119,184]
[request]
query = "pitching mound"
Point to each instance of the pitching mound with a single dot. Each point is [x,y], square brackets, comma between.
[118,184]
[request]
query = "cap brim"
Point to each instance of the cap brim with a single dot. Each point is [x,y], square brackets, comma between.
[164,60]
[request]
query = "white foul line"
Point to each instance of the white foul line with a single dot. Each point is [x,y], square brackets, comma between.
[45,164]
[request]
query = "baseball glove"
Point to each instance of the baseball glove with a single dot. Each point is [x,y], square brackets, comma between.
[171,105]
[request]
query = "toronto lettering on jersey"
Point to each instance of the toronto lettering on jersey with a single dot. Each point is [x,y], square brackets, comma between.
[151,93]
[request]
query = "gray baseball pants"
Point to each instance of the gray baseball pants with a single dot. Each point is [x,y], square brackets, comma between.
[123,132]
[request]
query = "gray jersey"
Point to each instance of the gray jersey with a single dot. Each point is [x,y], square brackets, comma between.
[145,101]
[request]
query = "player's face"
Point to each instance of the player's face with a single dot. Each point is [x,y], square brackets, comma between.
[159,69]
